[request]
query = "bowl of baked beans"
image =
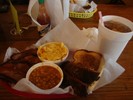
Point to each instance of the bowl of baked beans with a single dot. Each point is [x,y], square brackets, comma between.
[53,52]
[45,77]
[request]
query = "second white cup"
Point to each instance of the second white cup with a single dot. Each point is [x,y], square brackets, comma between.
[112,43]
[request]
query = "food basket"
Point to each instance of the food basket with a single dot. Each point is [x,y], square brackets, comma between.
[33,95]
[82,15]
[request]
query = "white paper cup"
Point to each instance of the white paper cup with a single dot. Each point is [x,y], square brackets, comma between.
[111,42]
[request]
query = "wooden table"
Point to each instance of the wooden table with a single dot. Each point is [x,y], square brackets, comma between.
[120,89]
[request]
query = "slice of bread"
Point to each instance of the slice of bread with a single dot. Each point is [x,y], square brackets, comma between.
[90,59]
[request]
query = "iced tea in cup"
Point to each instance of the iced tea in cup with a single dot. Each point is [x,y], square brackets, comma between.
[114,35]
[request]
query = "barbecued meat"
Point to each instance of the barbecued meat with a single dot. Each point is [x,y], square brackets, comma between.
[76,70]
[17,67]
[82,71]
[78,86]
[18,56]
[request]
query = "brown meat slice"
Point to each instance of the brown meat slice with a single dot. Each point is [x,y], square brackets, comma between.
[18,56]
[14,71]
[80,88]
[82,71]
[85,75]
[17,67]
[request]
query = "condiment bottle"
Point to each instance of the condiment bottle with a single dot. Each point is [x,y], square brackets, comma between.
[43,18]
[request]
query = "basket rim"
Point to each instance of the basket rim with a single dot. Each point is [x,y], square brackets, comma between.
[84,12]
[82,15]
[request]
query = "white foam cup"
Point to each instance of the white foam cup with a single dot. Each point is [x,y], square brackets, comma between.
[112,43]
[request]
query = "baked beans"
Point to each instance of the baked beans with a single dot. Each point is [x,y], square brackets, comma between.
[45,77]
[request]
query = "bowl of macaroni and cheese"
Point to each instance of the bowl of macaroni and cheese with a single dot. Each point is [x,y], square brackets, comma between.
[53,52]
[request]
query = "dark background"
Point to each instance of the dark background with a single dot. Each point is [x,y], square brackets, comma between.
[15,1]
[96,1]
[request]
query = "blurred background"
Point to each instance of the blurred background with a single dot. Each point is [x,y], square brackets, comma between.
[15,1]
[96,1]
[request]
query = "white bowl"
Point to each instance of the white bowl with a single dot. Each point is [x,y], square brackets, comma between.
[55,52]
[44,64]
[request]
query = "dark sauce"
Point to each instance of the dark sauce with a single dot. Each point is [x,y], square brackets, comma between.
[117,26]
